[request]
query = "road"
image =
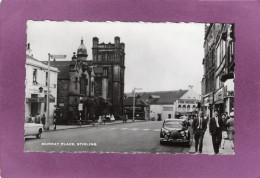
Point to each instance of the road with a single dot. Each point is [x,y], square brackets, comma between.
[137,137]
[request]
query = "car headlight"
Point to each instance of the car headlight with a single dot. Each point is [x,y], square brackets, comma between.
[183,133]
[167,132]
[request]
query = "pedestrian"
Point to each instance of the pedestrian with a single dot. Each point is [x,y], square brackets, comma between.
[215,130]
[33,119]
[43,119]
[99,120]
[37,118]
[190,127]
[93,120]
[224,128]
[199,126]
[104,119]
[231,129]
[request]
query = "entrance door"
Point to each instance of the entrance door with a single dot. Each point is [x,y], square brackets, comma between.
[34,109]
[34,105]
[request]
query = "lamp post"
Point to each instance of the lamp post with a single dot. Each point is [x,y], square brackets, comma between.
[48,86]
[134,102]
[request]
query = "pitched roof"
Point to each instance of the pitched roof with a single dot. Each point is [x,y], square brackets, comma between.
[166,97]
[139,102]
[63,67]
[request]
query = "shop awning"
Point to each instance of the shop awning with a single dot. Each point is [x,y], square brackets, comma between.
[40,99]
[219,102]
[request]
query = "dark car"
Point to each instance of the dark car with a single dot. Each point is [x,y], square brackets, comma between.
[175,131]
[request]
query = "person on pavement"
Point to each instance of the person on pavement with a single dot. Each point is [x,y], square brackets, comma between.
[43,119]
[224,128]
[215,130]
[230,128]
[199,126]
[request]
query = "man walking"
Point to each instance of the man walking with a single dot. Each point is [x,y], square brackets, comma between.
[199,126]
[215,130]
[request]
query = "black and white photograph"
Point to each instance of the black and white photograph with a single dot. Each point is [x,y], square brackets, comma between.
[129,87]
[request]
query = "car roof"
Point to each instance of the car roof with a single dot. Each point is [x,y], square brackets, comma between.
[174,119]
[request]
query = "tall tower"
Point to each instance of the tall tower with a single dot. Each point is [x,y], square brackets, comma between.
[109,68]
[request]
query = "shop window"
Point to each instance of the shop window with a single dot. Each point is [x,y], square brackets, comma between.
[169,116]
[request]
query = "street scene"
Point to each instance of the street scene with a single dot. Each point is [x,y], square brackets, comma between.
[114,87]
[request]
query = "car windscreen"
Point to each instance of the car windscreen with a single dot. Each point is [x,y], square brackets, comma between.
[173,124]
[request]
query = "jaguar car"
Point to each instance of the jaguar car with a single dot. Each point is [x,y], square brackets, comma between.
[175,131]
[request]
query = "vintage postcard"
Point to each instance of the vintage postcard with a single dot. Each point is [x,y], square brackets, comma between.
[129,87]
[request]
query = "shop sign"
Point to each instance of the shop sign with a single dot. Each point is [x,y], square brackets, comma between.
[219,95]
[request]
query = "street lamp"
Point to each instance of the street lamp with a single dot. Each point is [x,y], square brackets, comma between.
[48,86]
[134,102]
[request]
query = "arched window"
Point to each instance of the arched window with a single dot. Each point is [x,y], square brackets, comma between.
[188,108]
[179,107]
[193,107]
[184,107]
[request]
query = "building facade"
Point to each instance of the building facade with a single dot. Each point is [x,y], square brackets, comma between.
[109,69]
[36,83]
[218,79]
[186,104]
[75,86]
[162,103]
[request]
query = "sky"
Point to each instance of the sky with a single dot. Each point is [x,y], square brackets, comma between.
[159,56]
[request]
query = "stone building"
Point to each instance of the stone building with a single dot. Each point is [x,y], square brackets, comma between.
[165,104]
[36,83]
[109,69]
[75,85]
[217,81]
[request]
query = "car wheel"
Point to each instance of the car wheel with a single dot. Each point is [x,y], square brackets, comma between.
[161,142]
[38,135]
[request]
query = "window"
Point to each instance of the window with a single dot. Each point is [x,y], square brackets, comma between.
[92,86]
[169,116]
[35,76]
[76,83]
[188,108]
[83,84]
[105,72]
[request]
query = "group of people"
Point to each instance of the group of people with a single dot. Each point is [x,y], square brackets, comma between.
[220,128]
[102,119]
[37,119]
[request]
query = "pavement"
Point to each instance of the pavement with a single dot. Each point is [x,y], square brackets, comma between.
[65,127]
[208,147]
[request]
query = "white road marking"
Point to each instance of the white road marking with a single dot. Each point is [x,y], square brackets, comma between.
[135,129]
[145,129]
[124,128]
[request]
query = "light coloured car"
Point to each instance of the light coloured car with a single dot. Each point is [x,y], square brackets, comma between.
[32,129]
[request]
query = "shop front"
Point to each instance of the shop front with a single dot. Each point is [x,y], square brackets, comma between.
[219,101]
[207,105]
[229,95]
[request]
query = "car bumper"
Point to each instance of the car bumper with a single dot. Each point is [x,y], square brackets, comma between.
[174,140]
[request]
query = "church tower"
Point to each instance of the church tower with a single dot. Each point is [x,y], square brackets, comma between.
[109,68]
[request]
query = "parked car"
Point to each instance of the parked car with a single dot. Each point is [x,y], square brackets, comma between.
[175,131]
[32,128]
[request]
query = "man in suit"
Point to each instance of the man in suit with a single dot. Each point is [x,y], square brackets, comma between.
[199,126]
[215,130]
